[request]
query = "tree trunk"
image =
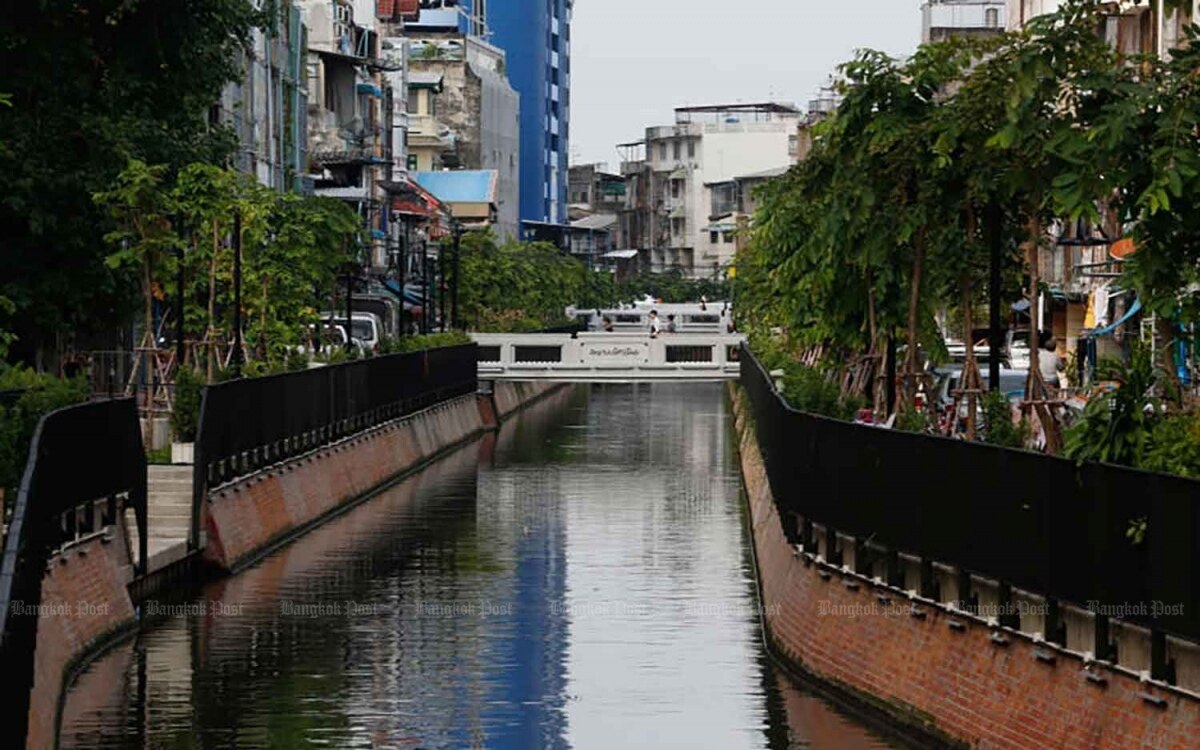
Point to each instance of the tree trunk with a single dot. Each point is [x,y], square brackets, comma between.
[914,299]
[212,302]
[150,344]
[1032,389]
[970,381]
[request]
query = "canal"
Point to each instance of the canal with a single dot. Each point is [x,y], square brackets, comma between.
[583,579]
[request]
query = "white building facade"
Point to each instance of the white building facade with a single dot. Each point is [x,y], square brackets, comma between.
[671,216]
[943,19]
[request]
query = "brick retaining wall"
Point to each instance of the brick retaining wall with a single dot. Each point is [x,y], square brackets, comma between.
[957,678]
[247,517]
[84,602]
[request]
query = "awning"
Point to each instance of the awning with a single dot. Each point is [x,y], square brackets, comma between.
[621,254]
[679,174]
[371,89]
[1134,309]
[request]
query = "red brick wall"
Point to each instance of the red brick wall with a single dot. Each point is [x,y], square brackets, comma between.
[956,684]
[84,599]
[246,517]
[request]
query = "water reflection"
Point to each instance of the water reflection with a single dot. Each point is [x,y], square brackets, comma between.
[580,580]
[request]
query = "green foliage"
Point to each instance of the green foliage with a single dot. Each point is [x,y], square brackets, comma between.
[805,388]
[185,414]
[671,288]
[999,428]
[1174,446]
[159,457]
[1117,425]
[93,85]
[524,286]
[811,390]
[914,420]
[43,394]
[421,343]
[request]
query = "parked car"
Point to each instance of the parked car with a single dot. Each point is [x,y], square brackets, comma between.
[947,379]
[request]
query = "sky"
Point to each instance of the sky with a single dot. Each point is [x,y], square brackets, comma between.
[634,61]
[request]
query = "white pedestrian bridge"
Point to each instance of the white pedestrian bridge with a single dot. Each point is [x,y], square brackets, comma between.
[608,357]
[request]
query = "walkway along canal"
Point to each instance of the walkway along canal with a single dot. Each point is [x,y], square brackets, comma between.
[581,579]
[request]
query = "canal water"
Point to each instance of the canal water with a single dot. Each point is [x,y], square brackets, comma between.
[581,580]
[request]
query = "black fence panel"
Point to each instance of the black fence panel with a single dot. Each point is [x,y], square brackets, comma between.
[86,465]
[1036,522]
[249,424]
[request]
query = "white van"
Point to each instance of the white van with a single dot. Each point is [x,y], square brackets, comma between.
[365,328]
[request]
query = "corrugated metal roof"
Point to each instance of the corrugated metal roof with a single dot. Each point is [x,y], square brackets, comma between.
[776,172]
[460,186]
[595,221]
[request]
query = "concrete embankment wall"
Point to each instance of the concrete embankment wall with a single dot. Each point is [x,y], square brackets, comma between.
[85,602]
[510,396]
[954,677]
[244,519]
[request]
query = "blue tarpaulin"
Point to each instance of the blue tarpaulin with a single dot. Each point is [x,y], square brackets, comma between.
[1134,309]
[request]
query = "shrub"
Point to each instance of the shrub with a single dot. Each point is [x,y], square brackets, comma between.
[185,416]
[43,394]
[1174,446]
[999,428]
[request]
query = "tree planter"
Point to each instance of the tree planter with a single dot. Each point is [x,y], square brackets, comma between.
[183,453]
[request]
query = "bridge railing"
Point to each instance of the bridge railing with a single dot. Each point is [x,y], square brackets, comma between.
[1039,523]
[249,424]
[86,466]
[609,355]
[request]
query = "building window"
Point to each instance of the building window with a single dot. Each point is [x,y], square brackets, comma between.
[413,165]
[676,188]
[991,18]
[662,151]
[691,148]
[675,149]
[728,237]
[713,237]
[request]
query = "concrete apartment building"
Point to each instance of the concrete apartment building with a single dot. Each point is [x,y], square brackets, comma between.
[350,112]
[681,202]
[268,107]
[464,114]
[943,19]
[535,36]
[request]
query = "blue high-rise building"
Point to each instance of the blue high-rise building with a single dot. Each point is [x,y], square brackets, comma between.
[536,37]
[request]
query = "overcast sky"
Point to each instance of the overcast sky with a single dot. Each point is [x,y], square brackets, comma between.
[634,61]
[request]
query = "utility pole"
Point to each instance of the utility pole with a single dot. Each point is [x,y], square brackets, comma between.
[239,354]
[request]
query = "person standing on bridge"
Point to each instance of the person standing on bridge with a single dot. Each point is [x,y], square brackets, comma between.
[655,324]
[671,323]
[607,325]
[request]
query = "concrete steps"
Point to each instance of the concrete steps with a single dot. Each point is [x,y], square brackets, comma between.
[169,515]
